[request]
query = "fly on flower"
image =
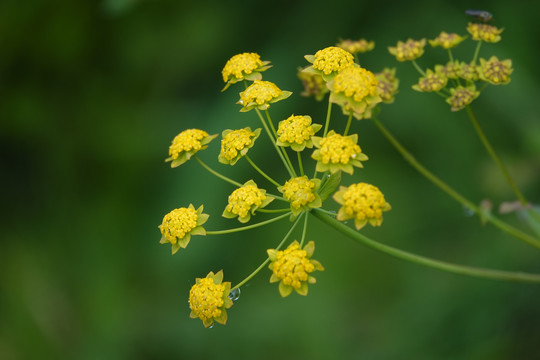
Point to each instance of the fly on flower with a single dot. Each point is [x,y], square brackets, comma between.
[482,15]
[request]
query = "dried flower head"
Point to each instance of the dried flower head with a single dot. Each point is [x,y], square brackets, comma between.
[358,46]
[461,97]
[484,32]
[301,192]
[209,299]
[336,152]
[432,81]
[245,201]
[260,95]
[447,41]
[296,132]
[329,61]
[409,50]
[236,143]
[246,66]
[362,202]
[388,85]
[178,226]
[314,84]
[186,144]
[292,268]
[496,72]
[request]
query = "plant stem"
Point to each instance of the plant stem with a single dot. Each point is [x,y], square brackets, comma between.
[279,147]
[300,163]
[328,113]
[222,177]
[261,172]
[425,261]
[418,68]
[476,52]
[304,230]
[247,227]
[454,194]
[268,259]
[348,125]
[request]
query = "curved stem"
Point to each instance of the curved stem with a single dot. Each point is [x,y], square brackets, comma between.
[418,68]
[476,52]
[247,227]
[300,163]
[222,177]
[279,147]
[450,55]
[328,113]
[425,261]
[454,194]
[348,125]
[250,276]
[261,172]
[304,230]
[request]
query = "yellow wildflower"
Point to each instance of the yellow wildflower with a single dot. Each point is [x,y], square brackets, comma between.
[388,85]
[461,97]
[292,268]
[496,72]
[484,32]
[209,299]
[336,152]
[260,95]
[244,201]
[301,192]
[314,84]
[362,202]
[236,143]
[433,81]
[409,50]
[329,61]
[186,144]
[246,66]
[450,70]
[296,132]
[178,226]
[358,46]
[447,41]
[469,72]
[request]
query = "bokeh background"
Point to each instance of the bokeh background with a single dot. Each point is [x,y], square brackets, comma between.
[92,93]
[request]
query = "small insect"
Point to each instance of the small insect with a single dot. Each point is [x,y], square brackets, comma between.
[482,15]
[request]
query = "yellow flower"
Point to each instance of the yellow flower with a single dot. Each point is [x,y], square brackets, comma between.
[314,84]
[496,72]
[484,32]
[388,85]
[178,226]
[260,95]
[409,50]
[246,66]
[461,97]
[450,70]
[355,89]
[446,40]
[244,201]
[186,144]
[301,192]
[292,268]
[433,81]
[209,299]
[469,72]
[296,132]
[362,202]
[336,152]
[358,46]
[329,61]
[236,143]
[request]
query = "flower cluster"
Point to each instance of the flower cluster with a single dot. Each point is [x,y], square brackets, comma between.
[186,144]
[296,132]
[409,50]
[336,152]
[236,144]
[244,201]
[178,226]
[209,299]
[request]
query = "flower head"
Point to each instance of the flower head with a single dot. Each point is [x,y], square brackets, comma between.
[209,299]
[236,143]
[336,152]
[244,201]
[314,84]
[356,90]
[496,72]
[292,268]
[362,202]
[484,32]
[329,61]
[409,50]
[246,66]
[296,132]
[358,46]
[447,41]
[469,72]
[450,70]
[301,192]
[461,97]
[186,144]
[178,226]
[433,81]
[260,95]
[388,85]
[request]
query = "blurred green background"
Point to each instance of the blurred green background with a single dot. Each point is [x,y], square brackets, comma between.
[91,95]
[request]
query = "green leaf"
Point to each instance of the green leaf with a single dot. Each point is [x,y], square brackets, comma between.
[330,185]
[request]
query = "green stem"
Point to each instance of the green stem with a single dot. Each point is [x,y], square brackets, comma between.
[222,177]
[450,55]
[274,210]
[454,194]
[425,261]
[418,68]
[476,52]
[261,172]
[494,156]
[348,125]
[304,230]
[281,148]
[300,163]
[268,259]
[328,113]
[247,227]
